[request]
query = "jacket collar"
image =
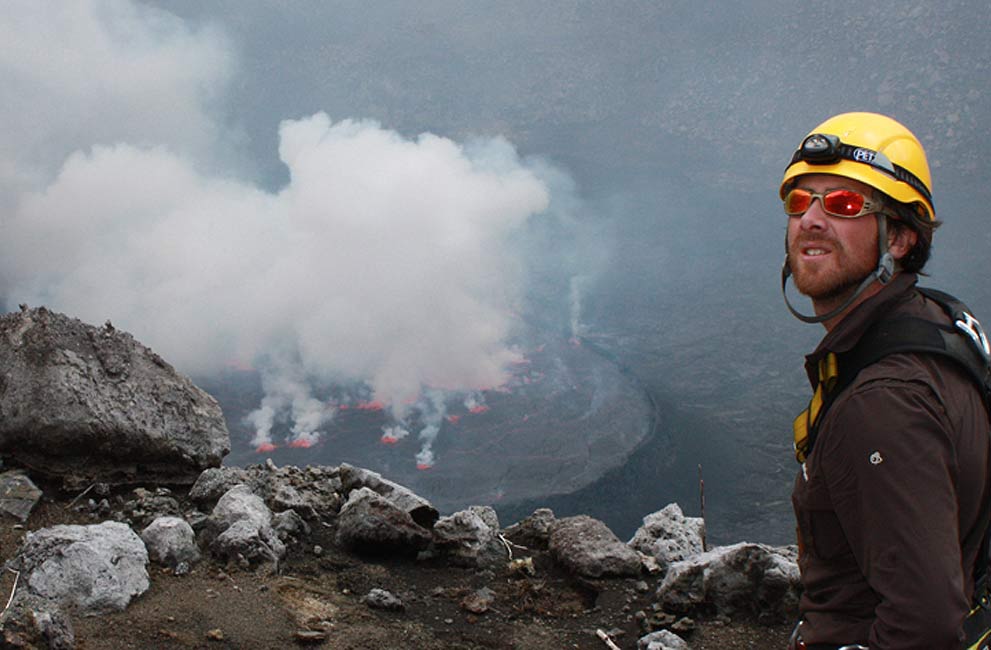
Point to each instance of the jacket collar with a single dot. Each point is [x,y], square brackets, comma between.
[848,331]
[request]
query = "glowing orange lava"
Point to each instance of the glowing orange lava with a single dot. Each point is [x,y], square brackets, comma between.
[453,419]
[423,466]
[370,406]
[301,443]
[481,408]
[389,440]
[265,447]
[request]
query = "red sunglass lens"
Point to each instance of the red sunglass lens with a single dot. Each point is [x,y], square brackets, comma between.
[797,201]
[844,203]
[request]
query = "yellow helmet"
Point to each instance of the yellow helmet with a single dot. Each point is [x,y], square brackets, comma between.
[871,148]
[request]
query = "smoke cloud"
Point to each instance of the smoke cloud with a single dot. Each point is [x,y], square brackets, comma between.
[385,260]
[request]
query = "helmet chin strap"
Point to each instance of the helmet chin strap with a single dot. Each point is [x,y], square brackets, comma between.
[883,273]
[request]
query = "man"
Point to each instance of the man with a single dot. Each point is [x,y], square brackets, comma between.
[892,498]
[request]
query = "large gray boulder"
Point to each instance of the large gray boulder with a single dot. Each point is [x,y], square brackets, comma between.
[93,569]
[669,536]
[742,580]
[587,547]
[421,510]
[370,523]
[96,405]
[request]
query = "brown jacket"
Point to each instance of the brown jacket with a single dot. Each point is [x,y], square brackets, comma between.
[889,502]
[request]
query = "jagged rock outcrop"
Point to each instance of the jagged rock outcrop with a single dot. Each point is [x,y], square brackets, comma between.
[243,534]
[669,536]
[750,580]
[421,510]
[470,537]
[313,492]
[95,404]
[533,531]
[94,569]
[371,523]
[587,547]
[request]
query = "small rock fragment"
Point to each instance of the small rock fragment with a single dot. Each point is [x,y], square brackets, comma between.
[310,636]
[382,599]
[478,602]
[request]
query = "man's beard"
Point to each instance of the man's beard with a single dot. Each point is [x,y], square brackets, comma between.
[829,284]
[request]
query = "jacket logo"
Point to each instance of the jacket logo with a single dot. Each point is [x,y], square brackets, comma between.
[876,458]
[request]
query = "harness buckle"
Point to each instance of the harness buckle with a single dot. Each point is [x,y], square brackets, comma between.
[970,326]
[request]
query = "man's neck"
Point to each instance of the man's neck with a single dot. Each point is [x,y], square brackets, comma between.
[825,306]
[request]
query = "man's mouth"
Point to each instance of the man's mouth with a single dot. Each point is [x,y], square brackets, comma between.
[813,248]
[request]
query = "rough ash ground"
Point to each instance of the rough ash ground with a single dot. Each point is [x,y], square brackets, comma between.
[259,609]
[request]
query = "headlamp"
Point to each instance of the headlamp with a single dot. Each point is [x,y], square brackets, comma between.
[826,149]
[820,148]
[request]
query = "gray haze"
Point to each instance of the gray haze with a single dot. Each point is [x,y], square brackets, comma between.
[374,191]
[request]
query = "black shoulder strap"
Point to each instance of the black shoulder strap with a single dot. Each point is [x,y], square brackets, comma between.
[964,342]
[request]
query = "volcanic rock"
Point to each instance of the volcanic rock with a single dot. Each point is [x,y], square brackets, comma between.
[478,601]
[95,569]
[369,522]
[287,524]
[661,640]
[212,483]
[32,622]
[382,599]
[171,541]
[244,539]
[312,492]
[533,531]
[403,498]
[241,503]
[18,495]
[587,547]
[669,536]
[245,523]
[753,580]
[470,537]
[94,404]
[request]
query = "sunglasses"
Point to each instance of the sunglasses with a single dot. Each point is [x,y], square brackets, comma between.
[845,204]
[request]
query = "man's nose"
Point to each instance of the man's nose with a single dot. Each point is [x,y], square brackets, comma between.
[814,218]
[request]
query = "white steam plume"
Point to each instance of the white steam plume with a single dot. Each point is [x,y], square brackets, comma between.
[384,259]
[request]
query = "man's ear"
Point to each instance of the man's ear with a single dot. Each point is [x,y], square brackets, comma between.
[901,239]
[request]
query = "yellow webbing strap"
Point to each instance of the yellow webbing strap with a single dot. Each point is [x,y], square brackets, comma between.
[828,372]
[977,625]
